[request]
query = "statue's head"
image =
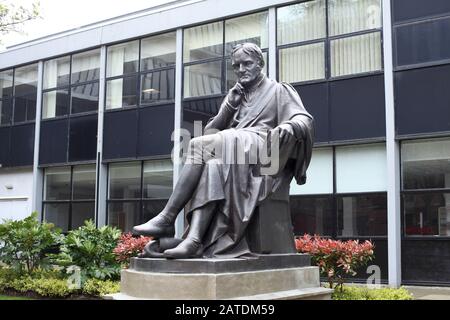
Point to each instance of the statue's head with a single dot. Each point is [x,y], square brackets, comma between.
[248,62]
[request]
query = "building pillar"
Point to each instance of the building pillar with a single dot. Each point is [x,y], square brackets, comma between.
[176,159]
[393,155]
[272,57]
[101,169]
[38,173]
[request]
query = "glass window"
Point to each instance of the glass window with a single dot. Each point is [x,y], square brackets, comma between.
[427,214]
[121,92]
[158,86]
[57,72]
[320,174]
[312,215]
[346,16]
[301,22]
[151,208]
[250,28]
[122,59]
[361,168]
[85,66]
[426,164]
[158,51]
[203,42]
[203,79]
[6,83]
[82,211]
[158,179]
[5,111]
[356,54]
[125,180]
[84,182]
[363,215]
[25,108]
[57,184]
[85,98]
[25,80]
[55,103]
[124,215]
[302,63]
[58,214]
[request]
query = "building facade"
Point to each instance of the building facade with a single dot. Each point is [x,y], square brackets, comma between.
[89,118]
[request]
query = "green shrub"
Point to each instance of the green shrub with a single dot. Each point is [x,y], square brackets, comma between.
[24,243]
[364,293]
[95,287]
[91,249]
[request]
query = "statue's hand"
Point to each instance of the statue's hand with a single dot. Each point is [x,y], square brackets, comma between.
[235,95]
[285,132]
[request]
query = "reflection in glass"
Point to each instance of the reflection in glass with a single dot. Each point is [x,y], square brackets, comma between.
[58,214]
[302,63]
[312,215]
[121,92]
[363,215]
[25,108]
[346,16]
[158,86]
[356,54]
[125,180]
[85,66]
[250,28]
[158,51]
[122,59]
[84,182]
[301,22]
[57,184]
[5,111]
[85,98]
[203,42]
[55,103]
[426,164]
[158,179]
[151,208]
[25,80]
[6,82]
[427,214]
[124,215]
[231,76]
[202,79]
[57,72]
[81,212]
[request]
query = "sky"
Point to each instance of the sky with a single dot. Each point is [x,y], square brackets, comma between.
[61,15]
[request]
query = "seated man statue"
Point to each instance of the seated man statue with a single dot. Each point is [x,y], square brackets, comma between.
[220,192]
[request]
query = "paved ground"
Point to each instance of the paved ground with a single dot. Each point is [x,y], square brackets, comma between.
[429,293]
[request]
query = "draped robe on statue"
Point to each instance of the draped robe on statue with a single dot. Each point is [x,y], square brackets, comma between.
[237,189]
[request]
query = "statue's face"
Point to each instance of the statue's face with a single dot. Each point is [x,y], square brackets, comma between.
[246,67]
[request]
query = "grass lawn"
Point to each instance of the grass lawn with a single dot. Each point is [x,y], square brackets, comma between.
[2,297]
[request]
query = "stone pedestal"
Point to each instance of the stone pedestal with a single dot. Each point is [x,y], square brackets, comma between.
[281,276]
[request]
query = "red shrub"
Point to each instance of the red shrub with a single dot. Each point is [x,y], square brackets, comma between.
[129,247]
[336,259]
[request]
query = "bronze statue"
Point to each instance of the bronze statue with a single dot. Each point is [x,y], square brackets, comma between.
[219,191]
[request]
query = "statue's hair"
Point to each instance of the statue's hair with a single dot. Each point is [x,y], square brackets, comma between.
[251,49]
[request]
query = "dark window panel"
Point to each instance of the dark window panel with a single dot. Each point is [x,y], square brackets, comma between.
[22,145]
[120,134]
[5,111]
[25,108]
[57,184]
[357,108]
[125,180]
[83,138]
[53,141]
[199,110]
[121,92]
[158,86]
[423,42]
[414,9]
[124,215]
[155,130]
[422,100]
[5,136]
[82,212]
[85,98]
[58,214]
[312,215]
[151,208]
[84,182]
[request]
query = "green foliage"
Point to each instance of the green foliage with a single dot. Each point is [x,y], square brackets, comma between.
[13,16]
[364,293]
[95,287]
[91,249]
[24,243]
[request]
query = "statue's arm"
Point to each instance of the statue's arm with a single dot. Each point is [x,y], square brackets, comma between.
[222,120]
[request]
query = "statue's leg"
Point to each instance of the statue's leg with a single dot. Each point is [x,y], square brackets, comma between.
[191,247]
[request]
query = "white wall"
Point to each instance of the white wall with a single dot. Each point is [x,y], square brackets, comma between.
[15,203]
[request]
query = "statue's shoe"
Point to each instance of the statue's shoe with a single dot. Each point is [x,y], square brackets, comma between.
[157,227]
[187,249]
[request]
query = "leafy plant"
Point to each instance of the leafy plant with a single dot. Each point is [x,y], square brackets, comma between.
[336,259]
[91,249]
[23,243]
[364,293]
[95,287]
[129,247]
